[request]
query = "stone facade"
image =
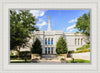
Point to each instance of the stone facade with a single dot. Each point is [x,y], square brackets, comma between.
[49,39]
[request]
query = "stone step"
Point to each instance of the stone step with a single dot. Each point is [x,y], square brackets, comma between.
[48,56]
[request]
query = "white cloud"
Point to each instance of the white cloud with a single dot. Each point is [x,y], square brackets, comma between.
[42,24]
[42,13]
[71,30]
[70,27]
[40,20]
[37,13]
[73,20]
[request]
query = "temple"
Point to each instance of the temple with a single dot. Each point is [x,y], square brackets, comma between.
[49,39]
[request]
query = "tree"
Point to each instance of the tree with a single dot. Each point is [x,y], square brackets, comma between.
[22,24]
[36,47]
[61,46]
[83,24]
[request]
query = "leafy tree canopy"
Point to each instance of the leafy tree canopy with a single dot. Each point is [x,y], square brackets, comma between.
[61,46]
[22,24]
[83,24]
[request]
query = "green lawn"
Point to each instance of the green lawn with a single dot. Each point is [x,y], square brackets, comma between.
[70,61]
[79,61]
[19,59]
[21,62]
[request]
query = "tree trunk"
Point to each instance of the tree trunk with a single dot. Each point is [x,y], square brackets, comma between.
[18,53]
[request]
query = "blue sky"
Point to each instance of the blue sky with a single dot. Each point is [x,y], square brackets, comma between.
[64,20]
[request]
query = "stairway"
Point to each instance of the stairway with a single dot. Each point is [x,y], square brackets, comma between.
[49,56]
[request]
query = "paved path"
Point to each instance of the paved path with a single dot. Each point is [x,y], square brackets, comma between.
[85,56]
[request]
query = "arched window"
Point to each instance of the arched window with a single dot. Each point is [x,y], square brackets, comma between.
[45,41]
[52,41]
[49,41]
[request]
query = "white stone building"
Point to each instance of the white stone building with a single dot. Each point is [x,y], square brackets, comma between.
[49,39]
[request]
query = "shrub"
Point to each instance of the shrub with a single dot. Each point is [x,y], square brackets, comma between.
[36,47]
[21,57]
[87,46]
[61,46]
[62,59]
[24,53]
[11,54]
[84,50]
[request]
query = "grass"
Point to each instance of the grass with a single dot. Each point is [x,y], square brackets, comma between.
[19,59]
[69,61]
[20,62]
[87,46]
[79,61]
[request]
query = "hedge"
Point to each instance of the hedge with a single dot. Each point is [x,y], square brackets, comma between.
[87,46]
[84,50]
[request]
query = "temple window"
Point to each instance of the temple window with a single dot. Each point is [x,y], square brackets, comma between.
[49,41]
[45,41]
[52,41]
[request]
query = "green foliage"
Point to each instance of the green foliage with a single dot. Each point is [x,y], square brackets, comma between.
[24,53]
[84,50]
[87,46]
[20,62]
[11,54]
[79,61]
[61,46]
[19,58]
[62,59]
[83,24]
[36,47]
[22,23]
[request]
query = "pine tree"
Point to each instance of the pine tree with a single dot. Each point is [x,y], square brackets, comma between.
[61,46]
[36,47]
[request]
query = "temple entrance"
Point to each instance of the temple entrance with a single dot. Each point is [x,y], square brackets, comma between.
[49,51]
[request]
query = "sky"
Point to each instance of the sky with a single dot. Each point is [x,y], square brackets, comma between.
[64,20]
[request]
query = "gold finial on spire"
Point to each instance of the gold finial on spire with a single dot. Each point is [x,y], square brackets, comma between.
[49,16]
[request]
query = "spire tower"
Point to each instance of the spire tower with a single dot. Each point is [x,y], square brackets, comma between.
[49,28]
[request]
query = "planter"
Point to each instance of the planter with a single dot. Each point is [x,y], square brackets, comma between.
[59,56]
[35,56]
[35,60]
[63,61]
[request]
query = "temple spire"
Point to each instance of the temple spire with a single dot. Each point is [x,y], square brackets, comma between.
[49,28]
